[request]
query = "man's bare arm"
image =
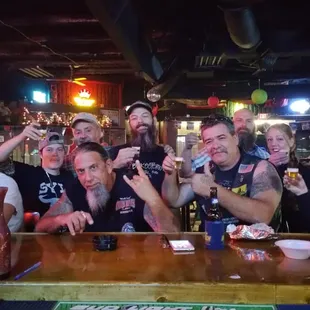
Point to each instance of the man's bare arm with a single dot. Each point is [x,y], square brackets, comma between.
[159,217]
[52,219]
[265,196]
[176,195]
[186,169]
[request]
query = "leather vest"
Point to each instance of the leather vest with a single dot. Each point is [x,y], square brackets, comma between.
[241,185]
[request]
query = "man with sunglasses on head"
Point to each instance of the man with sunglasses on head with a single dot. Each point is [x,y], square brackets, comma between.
[249,189]
[245,129]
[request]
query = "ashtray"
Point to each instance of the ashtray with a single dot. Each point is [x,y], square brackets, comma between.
[105,243]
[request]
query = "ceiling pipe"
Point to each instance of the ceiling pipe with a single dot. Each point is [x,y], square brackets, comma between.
[242,27]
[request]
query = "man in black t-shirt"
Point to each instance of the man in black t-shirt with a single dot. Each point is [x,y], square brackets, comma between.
[43,185]
[103,200]
[142,145]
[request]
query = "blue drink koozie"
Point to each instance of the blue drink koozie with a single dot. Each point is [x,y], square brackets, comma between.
[214,237]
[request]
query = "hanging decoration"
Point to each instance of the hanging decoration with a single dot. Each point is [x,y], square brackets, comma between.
[259,96]
[155,110]
[213,101]
[59,119]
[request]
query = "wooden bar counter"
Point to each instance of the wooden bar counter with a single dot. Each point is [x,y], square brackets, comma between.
[141,270]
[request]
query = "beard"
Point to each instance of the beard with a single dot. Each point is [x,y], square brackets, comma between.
[145,140]
[97,198]
[246,139]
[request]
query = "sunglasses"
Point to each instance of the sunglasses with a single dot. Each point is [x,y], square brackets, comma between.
[214,119]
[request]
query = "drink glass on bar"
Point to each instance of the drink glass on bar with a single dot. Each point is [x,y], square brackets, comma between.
[292,173]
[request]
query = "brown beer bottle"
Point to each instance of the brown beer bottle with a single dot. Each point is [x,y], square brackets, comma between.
[214,226]
[214,214]
[5,240]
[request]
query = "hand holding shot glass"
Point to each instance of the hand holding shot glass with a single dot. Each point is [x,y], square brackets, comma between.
[178,161]
[294,182]
[292,173]
[137,154]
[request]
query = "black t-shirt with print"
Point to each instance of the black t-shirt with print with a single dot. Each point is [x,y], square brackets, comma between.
[123,212]
[151,162]
[39,190]
[225,179]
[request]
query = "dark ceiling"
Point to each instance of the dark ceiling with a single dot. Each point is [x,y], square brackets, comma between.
[219,46]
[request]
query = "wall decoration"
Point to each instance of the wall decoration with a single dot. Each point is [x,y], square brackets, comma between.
[113,115]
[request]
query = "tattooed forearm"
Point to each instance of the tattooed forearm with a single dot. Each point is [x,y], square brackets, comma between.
[163,221]
[149,217]
[62,206]
[266,180]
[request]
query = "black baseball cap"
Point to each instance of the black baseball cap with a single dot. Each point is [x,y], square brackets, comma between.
[139,104]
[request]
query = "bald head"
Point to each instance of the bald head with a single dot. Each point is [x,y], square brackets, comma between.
[244,113]
[242,119]
[245,128]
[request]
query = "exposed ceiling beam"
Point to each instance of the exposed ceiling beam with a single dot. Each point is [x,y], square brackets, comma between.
[41,19]
[44,33]
[62,48]
[16,56]
[238,91]
[54,62]
[104,71]
[119,20]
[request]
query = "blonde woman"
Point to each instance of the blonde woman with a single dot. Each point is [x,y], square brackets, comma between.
[295,197]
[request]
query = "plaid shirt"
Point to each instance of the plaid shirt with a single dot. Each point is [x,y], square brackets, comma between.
[202,156]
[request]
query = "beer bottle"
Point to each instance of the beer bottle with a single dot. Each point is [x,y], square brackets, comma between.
[214,226]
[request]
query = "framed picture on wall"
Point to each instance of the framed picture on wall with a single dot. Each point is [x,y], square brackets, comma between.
[113,115]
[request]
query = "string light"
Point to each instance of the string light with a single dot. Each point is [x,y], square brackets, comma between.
[61,119]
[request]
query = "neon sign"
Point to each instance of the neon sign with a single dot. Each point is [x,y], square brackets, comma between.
[83,99]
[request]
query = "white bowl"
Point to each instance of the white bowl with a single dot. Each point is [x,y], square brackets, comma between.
[293,248]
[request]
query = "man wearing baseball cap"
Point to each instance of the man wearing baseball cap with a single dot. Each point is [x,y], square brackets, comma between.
[142,146]
[43,185]
[85,128]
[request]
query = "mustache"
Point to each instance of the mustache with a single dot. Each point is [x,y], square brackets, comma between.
[143,125]
[222,150]
[79,141]
[243,130]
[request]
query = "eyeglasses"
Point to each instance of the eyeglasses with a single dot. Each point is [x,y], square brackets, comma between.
[214,119]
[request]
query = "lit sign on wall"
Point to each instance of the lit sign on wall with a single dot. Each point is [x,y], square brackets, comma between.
[39,97]
[83,99]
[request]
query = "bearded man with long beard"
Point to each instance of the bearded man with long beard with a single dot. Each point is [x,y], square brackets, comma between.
[142,145]
[104,200]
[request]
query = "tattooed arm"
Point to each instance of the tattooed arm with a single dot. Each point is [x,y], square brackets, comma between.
[159,217]
[265,196]
[51,220]
[61,214]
